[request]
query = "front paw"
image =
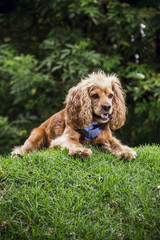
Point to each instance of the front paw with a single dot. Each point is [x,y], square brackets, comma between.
[127,153]
[17,151]
[80,152]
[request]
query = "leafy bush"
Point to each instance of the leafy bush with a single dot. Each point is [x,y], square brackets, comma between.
[23,94]
[144,92]
[9,134]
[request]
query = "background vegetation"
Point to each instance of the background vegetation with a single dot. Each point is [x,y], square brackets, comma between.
[47,46]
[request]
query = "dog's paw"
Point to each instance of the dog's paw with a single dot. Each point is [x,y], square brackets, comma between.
[130,153]
[127,153]
[80,152]
[17,151]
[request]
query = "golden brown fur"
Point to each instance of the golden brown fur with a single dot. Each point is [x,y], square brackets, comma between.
[96,98]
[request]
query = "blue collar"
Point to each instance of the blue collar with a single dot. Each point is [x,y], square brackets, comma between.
[93,130]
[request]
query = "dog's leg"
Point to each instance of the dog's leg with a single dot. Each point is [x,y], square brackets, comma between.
[122,151]
[70,141]
[37,140]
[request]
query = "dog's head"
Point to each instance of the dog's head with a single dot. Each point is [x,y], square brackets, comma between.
[96,98]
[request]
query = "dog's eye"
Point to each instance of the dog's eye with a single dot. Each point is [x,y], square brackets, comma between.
[110,95]
[95,96]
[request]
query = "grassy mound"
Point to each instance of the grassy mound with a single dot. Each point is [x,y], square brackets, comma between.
[49,195]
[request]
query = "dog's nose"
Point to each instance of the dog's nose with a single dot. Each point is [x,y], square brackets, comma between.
[106,107]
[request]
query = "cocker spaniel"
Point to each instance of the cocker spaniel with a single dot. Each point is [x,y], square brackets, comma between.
[93,107]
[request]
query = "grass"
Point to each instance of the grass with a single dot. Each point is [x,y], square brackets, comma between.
[49,195]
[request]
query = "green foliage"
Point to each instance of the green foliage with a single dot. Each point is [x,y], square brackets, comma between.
[71,60]
[144,88]
[8,134]
[47,46]
[23,92]
[49,195]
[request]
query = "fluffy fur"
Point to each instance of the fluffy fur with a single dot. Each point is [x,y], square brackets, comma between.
[96,98]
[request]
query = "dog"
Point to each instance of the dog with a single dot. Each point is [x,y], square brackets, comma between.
[94,107]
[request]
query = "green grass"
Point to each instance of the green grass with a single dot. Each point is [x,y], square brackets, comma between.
[49,195]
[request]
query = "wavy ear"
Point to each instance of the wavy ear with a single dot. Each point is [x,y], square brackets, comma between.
[78,107]
[119,109]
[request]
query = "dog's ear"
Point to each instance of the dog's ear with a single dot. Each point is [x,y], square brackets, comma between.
[119,109]
[78,107]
